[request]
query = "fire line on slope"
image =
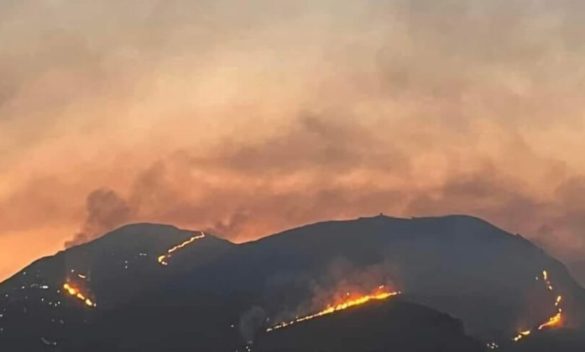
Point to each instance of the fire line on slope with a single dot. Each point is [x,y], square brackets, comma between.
[378,295]
[76,292]
[164,258]
[554,321]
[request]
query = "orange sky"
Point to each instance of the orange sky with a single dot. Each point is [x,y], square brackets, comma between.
[248,119]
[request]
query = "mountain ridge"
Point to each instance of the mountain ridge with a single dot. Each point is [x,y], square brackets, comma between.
[460,265]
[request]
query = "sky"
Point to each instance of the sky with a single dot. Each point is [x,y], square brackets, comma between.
[246,118]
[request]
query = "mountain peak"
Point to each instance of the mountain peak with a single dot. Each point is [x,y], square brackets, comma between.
[146,234]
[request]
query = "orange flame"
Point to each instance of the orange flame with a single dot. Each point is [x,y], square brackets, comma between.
[521,335]
[557,319]
[549,285]
[163,259]
[552,322]
[76,292]
[378,295]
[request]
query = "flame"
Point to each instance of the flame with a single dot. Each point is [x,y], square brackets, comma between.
[549,285]
[163,259]
[76,292]
[554,321]
[378,295]
[557,319]
[521,335]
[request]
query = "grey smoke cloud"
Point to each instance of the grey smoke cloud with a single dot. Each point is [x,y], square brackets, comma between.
[251,322]
[106,210]
[312,172]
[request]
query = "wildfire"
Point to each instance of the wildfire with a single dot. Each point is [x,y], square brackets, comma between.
[380,294]
[521,335]
[163,259]
[549,285]
[76,292]
[552,322]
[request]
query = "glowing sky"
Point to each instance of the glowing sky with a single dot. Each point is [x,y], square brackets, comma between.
[249,117]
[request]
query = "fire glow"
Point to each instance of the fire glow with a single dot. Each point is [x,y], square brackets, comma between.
[76,292]
[163,259]
[554,321]
[378,295]
[521,335]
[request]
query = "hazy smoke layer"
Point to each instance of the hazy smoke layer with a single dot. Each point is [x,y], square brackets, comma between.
[247,118]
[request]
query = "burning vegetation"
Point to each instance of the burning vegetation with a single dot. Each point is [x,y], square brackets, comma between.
[552,322]
[78,293]
[349,301]
[163,259]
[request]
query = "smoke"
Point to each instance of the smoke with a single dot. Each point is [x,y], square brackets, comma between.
[322,168]
[105,211]
[250,322]
[234,224]
[288,297]
[342,277]
[250,118]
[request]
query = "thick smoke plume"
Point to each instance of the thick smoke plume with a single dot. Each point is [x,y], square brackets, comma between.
[105,211]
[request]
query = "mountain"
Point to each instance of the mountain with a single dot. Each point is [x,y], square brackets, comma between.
[382,326]
[559,340]
[36,311]
[213,295]
[457,264]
